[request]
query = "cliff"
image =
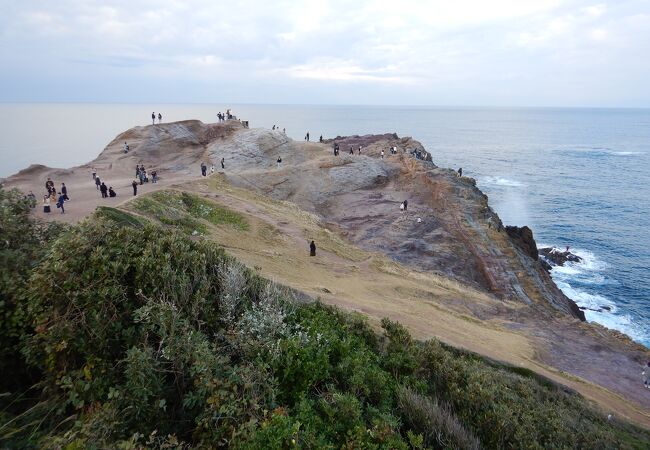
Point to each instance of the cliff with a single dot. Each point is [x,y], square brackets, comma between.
[445,267]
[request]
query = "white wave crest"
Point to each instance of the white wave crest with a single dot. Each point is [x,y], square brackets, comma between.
[500,181]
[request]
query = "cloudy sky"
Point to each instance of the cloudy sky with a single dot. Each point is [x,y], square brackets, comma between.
[436,52]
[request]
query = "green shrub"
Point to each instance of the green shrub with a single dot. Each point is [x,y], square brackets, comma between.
[141,337]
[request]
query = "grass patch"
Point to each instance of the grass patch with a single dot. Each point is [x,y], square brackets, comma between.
[120,217]
[187,212]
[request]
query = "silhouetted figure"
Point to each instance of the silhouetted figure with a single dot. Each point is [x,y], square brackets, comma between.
[351,151]
[307,137]
[98,182]
[103,189]
[204,169]
[159,118]
[460,172]
[406,205]
[223,163]
[359,149]
[64,191]
[321,139]
[312,249]
[111,192]
[153,118]
[135,187]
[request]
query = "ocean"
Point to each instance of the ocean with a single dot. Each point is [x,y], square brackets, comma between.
[577,177]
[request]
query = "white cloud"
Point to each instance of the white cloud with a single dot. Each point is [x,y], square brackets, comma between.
[472,49]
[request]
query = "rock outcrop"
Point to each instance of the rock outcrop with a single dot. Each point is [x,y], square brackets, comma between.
[523,237]
[557,257]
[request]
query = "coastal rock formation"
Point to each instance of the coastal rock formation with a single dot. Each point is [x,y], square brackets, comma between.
[557,257]
[523,237]
[448,233]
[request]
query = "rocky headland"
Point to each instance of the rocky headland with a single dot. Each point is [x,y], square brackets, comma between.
[483,286]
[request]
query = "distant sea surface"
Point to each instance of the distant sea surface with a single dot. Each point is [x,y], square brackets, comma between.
[577,177]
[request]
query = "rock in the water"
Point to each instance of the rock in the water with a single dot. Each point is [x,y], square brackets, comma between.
[557,257]
[523,237]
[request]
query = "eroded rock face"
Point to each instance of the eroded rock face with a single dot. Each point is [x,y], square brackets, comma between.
[557,257]
[523,237]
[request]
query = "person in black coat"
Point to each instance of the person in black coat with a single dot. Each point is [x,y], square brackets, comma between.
[135,187]
[312,249]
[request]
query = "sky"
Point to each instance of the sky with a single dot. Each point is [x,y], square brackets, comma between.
[379,52]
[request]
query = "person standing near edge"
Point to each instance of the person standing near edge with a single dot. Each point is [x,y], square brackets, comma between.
[159,118]
[153,118]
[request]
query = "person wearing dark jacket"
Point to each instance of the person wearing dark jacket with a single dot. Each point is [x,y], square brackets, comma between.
[103,189]
[312,249]
[60,202]
[64,191]
[406,205]
[135,187]
[111,192]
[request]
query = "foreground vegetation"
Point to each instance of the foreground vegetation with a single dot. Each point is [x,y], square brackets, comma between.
[122,334]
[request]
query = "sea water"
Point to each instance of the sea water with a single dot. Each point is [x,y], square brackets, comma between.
[577,177]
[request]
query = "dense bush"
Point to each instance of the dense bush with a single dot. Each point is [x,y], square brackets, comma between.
[144,338]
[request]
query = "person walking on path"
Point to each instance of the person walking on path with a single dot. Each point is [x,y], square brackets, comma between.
[406,205]
[279,161]
[60,203]
[204,169]
[135,187]
[154,176]
[126,147]
[159,118]
[46,204]
[111,192]
[98,182]
[223,163]
[312,249]
[94,172]
[153,118]
[104,190]
[64,191]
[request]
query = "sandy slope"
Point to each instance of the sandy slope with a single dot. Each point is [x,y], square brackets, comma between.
[454,278]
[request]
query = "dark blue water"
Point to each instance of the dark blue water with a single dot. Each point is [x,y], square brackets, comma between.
[577,177]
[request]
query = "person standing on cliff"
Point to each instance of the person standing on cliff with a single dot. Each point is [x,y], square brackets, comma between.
[98,182]
[645,373]
[153,118]
[307,137]
[460,172]
[382,153]
[321,139]
[279,161]
[159,118]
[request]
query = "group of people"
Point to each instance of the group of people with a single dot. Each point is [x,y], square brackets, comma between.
[275,127]
[153,119]
[105,191]
[223,117]
[204,167]
[59,198]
